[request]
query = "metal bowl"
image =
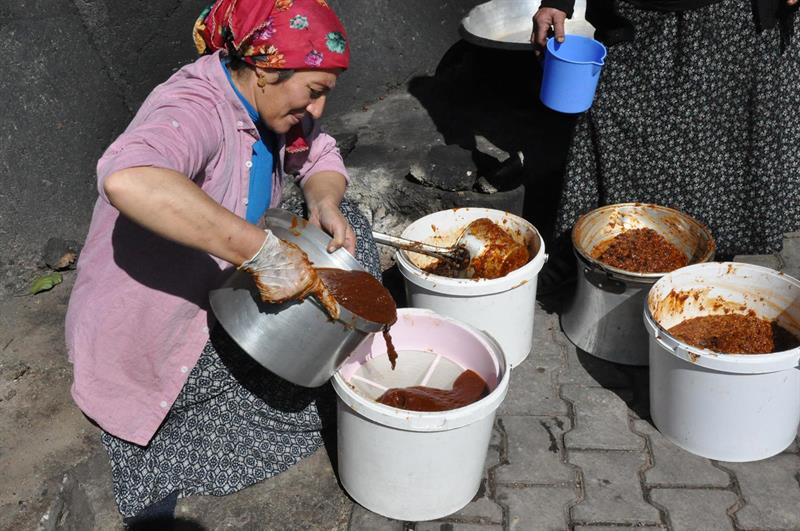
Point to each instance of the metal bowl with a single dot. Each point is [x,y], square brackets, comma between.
[297,340]
[507,24]
[690,236]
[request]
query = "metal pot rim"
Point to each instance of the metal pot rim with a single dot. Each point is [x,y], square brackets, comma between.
[630,276]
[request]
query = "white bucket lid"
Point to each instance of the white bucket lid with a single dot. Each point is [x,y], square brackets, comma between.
[457,218]
[432,350]
[710,288]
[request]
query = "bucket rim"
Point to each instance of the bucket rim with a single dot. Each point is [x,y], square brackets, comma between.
[430,421]
[468,287]
[551,43]
[631,276]
[732,363]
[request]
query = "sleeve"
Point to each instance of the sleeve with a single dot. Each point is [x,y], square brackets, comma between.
[176,135]
[323,155]
[567,6]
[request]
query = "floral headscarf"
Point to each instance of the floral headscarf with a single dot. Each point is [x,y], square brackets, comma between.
[282,34]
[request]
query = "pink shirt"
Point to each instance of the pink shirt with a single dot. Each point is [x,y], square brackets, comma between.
[138,315]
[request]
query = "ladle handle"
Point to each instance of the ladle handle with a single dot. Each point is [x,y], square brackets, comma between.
[411,245]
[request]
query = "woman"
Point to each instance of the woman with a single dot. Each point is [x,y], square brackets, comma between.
[183,411]
[697,108]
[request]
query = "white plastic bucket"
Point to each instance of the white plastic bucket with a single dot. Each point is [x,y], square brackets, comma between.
[501,307]
[411,465]
[730,407]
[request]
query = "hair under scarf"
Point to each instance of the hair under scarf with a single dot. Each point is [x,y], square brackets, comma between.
[281,34]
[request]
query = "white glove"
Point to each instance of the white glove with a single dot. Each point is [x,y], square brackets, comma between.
[283,272]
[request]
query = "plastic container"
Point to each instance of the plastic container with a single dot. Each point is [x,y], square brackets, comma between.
[412,465]
[571,72]
[730,407]
[501,307]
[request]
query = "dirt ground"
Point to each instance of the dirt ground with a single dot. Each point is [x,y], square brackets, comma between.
[42,433]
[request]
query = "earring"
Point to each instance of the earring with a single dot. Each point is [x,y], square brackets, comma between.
[262,81]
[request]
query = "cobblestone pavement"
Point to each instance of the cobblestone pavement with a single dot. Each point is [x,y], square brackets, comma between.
[574,448]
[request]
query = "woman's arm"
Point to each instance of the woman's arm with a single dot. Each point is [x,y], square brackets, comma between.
[172,206]
[323,192]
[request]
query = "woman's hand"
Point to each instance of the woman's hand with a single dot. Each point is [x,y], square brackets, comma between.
[324,192]
[545,19]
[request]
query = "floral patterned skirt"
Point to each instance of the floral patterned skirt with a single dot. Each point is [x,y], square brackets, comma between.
[233,424]
[700,112]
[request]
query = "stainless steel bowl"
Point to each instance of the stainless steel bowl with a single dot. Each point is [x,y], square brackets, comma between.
[296,340]
[507,24]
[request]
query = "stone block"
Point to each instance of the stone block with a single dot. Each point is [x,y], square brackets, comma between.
[613,491]
[692,509]
[482,509]
[456,526]
[534,451]
[602,528]
[674,466]
[532,391]
[771,492]
[546,351]
[583,368]
[537,508]
[362,519]
[601,420]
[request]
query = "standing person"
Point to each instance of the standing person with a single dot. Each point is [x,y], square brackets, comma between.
[182,409]
[697,108]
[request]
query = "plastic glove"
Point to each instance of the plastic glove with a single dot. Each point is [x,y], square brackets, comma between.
[283,272]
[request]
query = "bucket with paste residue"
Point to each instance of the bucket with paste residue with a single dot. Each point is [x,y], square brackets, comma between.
[416,465]
[501,307]
[730,407]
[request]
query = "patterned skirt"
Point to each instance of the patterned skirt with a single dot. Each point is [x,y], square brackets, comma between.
[700,112]
[233,424]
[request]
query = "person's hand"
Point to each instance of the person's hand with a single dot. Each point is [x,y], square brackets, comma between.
[281,270]
[791,3]
[545,19]
[326,215]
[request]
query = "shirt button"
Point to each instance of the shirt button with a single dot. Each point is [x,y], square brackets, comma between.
[249,163]
[163,403]
[205,329]
[184,369]
[244,202]
[175,124]
[240,124]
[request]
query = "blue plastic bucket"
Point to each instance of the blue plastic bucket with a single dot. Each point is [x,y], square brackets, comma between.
[571,71]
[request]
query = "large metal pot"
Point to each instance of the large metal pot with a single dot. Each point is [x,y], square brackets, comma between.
[297,340]
[604,317]
[507,24]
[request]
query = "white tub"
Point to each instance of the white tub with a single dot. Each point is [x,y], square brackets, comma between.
[410,465]
[501,307]
[730,407]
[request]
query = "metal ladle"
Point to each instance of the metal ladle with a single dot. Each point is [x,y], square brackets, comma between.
[459,255]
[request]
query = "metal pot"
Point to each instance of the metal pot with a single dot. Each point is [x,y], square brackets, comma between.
[604,317]
[298,341]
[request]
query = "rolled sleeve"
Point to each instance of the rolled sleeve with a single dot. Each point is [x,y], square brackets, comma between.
[175,136]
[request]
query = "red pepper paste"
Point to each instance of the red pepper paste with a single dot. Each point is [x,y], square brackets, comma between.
[362,294]
[641,251]
[735,334]
[469,387]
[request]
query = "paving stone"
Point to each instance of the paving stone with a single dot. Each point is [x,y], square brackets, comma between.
[675,466]
[546,352]
[793,448]
[497,436]
[612,489]
[691,509]
[536,508]
[771,492]
[616,528]
[583,368]
[532,391]
[362,519]
[601,420]
[456,526]
[483,509]
[534,451]
[772,261]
